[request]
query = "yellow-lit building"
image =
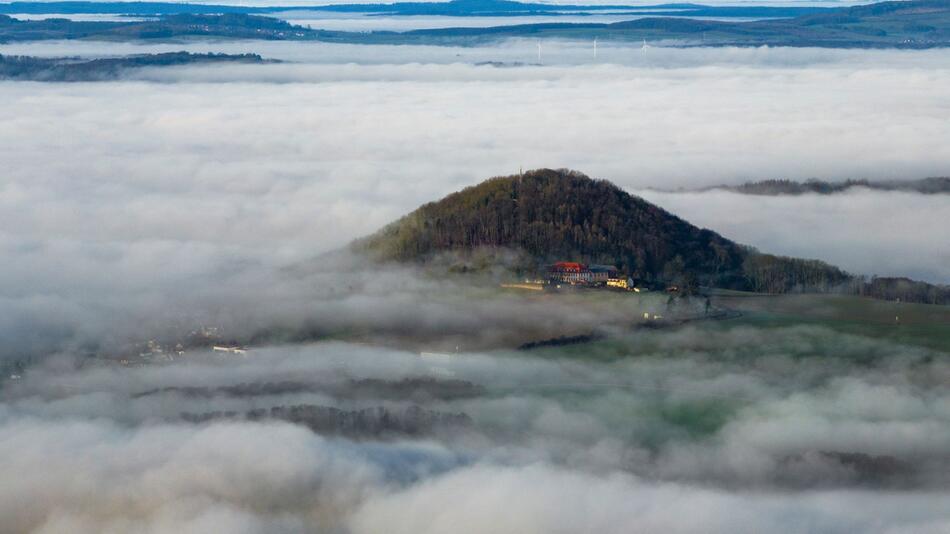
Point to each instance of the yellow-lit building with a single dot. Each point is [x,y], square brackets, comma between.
[621,283]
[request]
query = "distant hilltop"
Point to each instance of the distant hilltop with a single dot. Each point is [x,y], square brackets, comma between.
[538,218]
[554,215]
[926,186]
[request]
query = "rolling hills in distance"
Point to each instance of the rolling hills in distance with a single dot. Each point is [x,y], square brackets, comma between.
[453,8]
[901,24]
[924,186]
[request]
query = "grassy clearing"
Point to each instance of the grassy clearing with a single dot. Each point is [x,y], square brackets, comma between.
[906,323]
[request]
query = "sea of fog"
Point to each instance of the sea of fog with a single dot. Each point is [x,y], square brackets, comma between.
[276,163]
[185,197]
[368,23]
[358,22]
[739,429]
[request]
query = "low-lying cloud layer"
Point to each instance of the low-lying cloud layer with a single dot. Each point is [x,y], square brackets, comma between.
[148,202]
[702,430]
[862,231]
[185,198]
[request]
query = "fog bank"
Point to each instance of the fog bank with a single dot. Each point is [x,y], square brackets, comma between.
[862,231]
[706,429]
[180,196]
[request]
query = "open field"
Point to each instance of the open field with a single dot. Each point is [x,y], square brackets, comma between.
[610,318]
[918,324]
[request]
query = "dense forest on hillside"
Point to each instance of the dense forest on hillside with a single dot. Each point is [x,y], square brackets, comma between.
[563,215]
[903,289]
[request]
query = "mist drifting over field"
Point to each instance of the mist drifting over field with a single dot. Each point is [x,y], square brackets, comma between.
[183,197]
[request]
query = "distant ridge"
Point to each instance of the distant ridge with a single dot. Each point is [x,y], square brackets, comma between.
[453,8]
[547,215]
[925,186]
[36,69]
[903,24]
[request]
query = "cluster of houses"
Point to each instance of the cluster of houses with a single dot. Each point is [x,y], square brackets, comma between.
[574,273]
[199,340]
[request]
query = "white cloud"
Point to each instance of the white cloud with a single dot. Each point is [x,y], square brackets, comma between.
[862,231]
[539,499]
[339,149]
[85,451]
[131,208]
[126,200]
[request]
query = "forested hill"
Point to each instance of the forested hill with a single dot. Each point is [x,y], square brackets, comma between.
[547,215]
[564,215]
